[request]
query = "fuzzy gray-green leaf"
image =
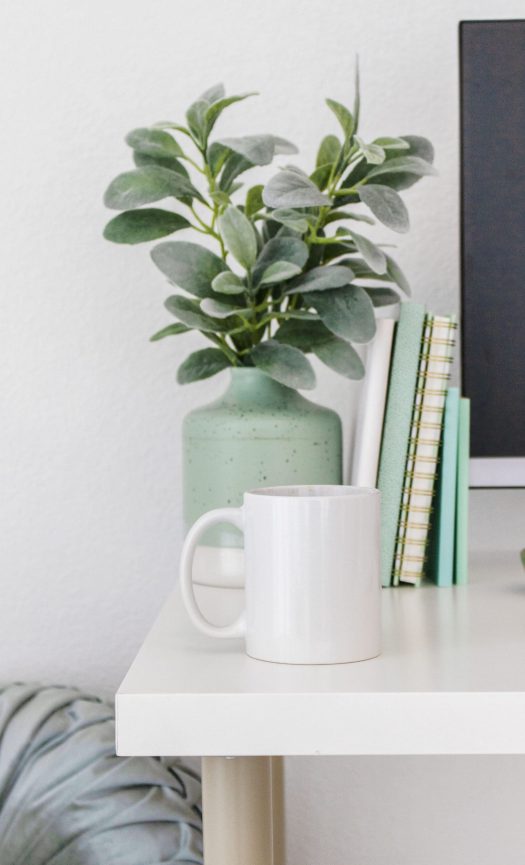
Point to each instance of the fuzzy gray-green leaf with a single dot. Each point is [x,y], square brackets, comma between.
[212,114]
[290,249]
[396,275]
[239,236]
[333,351]
[258,149]
[171,330]
[145,185]
[344,117]
[404,164]
[386,205]
[381,296]
[329,150]
[291,188]
[254,201]
[279,271]
[188,265]
[284,363]
[212,94]
[321,278]
[372,254]
[227,283]
[347,312]
[142,159]
[189,313]
[292,218]
[202,364]
[153,142]
[139,226]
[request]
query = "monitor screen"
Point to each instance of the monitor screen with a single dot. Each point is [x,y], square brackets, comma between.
[492,61]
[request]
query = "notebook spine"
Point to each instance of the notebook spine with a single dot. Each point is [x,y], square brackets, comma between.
[422,463]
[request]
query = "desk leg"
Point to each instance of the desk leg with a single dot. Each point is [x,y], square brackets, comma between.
[242,802]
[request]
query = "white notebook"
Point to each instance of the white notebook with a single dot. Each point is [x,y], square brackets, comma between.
[422,458]
[372,402]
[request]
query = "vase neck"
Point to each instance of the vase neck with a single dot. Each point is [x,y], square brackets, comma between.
[249,385]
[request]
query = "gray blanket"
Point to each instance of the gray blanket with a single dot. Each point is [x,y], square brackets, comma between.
[66,799]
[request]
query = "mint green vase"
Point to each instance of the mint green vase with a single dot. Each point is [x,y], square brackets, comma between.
[258,433]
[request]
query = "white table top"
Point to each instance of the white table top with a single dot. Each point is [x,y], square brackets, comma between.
[450,680]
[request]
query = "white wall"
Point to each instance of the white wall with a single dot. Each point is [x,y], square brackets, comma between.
[90,430]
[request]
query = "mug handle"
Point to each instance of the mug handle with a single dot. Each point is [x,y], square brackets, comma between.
[220,515]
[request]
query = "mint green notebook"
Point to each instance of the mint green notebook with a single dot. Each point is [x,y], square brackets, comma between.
[396,432]
[445,507]
[461,570]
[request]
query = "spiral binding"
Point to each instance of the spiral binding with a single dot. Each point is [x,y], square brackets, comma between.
[431,386]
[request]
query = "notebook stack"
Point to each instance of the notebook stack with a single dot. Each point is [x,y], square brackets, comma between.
[413,443]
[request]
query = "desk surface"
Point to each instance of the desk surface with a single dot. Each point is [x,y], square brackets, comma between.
[450,680]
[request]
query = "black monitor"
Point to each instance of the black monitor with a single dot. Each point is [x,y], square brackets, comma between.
[492,64]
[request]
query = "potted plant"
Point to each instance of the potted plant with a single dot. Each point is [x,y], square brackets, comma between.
[273,274]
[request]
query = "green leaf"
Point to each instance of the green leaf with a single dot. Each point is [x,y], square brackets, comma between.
[221,308]
[374,257]
[220,197]
[217,107]
[344,116]
[314,336]
[254,201]
[202,364]
[340,356]
[303,334]
[188,265]
[284,363]
[391,143]
[338,215]
[153,142]
[329,150]
[196,117]
[216,156]
[290,249]
[145,185]
[357,96]
[258,149]
[235,164]
[239,236]
[170,330]
[279,271]
[347,312]
[373,153]
[418,147]
[381,296]
[321,278]
[386,205]
[169,162]
[396,275]
[189,312]
[138,226]
[404,164]
[212,94]
[294,219]
[321,175]
[228,283]
[292,188]
[168,124]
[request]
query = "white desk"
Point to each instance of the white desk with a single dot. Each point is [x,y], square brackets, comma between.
[451,680]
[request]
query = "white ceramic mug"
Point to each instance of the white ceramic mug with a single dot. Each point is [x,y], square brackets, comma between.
[313,592]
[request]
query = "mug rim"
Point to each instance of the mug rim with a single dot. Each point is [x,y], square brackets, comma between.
[309,492]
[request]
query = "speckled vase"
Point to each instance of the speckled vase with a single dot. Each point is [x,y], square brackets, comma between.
[258,433]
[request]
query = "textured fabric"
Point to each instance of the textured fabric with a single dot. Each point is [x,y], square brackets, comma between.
[66,799]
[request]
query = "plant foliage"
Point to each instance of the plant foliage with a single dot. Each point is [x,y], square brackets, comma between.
[289,275]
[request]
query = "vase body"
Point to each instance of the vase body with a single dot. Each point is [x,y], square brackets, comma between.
[258,433]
